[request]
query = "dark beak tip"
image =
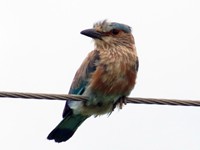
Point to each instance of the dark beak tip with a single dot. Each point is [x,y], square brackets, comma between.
[82,32]
[91,33]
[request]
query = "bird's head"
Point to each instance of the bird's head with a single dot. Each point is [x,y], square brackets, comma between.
[109,34]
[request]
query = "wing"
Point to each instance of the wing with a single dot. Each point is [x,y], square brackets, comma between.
[82,76]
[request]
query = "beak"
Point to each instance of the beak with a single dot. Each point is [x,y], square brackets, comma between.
[92,33]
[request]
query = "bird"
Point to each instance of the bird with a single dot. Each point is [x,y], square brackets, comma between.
[106,77]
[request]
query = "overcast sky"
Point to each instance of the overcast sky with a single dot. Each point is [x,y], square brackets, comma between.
[41,48]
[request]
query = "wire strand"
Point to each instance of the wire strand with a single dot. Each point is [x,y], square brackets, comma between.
[64,97]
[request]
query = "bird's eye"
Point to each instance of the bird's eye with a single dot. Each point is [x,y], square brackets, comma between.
[115,32]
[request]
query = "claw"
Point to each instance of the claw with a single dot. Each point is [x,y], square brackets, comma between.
[120,102]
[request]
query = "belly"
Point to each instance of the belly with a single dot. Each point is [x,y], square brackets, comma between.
[94,106]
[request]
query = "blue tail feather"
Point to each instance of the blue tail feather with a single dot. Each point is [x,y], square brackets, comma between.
[67,127]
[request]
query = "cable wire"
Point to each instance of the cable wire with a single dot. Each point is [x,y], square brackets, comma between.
[136,100]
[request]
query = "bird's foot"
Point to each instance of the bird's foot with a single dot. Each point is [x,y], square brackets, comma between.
[120,102]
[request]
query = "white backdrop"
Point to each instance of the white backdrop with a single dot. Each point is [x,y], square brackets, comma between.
[41,48]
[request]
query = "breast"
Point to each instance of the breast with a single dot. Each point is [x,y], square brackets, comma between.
[114,79]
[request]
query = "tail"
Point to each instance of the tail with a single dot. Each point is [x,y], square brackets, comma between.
[67,127]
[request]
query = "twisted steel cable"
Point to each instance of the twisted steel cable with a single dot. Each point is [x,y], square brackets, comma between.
[136,100]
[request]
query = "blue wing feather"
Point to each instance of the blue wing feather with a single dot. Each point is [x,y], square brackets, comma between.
[82,76]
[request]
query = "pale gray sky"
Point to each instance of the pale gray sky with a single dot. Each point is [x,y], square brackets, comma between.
[41,48]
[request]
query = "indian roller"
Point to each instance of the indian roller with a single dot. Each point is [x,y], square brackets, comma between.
[106,77]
